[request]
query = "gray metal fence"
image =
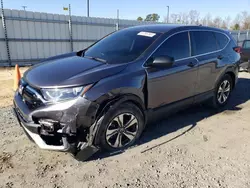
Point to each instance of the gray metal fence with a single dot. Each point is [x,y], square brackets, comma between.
[28,37]
[240,36]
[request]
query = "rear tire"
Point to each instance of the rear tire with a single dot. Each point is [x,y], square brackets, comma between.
[120,128]
[222,92]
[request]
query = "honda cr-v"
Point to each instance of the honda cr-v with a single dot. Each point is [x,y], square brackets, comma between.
[103,96]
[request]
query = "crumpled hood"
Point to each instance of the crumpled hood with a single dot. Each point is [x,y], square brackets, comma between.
[69,70]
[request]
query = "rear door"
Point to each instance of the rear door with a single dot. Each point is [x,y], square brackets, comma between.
[209,53]
[168,85]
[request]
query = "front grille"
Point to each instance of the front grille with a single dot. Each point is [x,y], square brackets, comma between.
[30,98]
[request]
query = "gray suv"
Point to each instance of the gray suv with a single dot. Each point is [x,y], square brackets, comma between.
[103,96]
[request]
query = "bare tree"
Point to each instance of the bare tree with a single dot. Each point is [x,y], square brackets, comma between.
[184,18]
[207,20]
[224,24]
[203,21]
[217,22]
[237,22]
[228,21]
[245,20]
[193,16]
[173,18]
[241,20]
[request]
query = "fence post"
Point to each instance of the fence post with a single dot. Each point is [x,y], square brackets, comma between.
[238,38]
[247,34]
[5,34]
[70,30]
[117,21]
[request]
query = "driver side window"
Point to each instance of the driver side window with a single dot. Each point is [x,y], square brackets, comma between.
[176,47]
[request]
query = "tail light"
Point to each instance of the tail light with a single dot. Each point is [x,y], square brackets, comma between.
[237,49]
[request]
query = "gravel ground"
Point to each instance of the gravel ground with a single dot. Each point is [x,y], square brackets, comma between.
[194,148]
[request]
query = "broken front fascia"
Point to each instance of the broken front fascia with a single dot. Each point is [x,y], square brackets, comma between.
[72,116]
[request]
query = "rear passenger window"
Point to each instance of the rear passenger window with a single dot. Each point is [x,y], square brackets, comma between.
[203,42]
[176,46]
[222,40]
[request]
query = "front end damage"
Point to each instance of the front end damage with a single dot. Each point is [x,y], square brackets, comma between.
[65,126]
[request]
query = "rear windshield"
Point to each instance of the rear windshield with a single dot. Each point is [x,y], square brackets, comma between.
[122,47]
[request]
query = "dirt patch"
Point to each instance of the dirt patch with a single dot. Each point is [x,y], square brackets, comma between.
[5,161]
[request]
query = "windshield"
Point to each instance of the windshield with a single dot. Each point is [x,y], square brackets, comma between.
[121,47]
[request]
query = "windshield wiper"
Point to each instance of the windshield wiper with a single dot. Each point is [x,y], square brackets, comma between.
[96,58]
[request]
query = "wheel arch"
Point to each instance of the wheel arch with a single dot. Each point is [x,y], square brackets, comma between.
[231,72]
[118,100]
[114,103]
[232,75]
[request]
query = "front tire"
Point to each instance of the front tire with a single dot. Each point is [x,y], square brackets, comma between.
[222,92]
[120,127]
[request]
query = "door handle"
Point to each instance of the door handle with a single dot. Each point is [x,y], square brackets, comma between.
[191,64]
[220,57]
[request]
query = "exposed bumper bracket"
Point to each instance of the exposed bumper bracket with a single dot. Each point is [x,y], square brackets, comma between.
[39,141]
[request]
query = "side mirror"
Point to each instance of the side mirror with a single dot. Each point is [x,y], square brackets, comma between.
[163,61]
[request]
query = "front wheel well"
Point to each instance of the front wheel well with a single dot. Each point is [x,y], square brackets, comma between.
[114,102]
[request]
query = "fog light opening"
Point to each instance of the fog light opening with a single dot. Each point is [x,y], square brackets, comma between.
[48,124]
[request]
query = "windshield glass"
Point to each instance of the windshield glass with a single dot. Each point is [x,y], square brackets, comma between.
[121,47]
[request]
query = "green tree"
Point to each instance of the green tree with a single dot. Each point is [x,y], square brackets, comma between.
[139,19]
[236,26]
[152,17]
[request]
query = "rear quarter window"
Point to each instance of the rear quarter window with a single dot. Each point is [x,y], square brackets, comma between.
[203,42]
[222,40]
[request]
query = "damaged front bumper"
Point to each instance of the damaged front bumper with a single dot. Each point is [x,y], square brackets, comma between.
[32,131]
[65,126]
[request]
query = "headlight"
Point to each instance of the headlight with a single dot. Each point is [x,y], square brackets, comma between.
[59,94]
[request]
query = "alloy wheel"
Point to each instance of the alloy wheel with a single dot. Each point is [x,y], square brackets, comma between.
[223,91]
[122,130]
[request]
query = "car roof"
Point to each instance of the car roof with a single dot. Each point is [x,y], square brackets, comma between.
[163,28]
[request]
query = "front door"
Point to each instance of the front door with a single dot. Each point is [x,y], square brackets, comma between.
[169,85]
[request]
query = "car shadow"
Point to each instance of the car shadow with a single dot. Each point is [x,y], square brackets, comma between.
[187,117]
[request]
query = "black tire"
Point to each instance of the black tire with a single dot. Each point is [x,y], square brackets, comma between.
[216,103]
[109,118]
